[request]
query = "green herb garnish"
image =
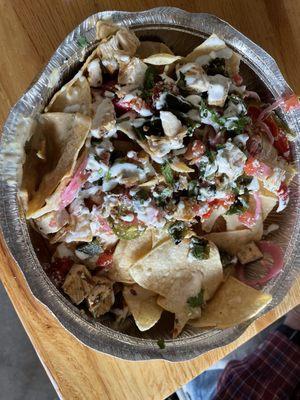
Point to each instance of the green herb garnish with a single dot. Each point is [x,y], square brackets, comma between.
[181,84]
[167,172]
[199,248]
[82,41]
[226,258]
[211,155]
[108,176]
[192,126]
[177,231]
[240,205]
[193,189]
[161,343]
[196,301]
[239,124]
[163,196]
[216,66]
[125,230]
[149,82]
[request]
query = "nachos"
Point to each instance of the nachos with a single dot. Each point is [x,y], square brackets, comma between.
[150,175]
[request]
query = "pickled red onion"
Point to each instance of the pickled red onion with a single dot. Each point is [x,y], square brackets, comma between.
[271,269]
[71,190]
[288,103]
[264,127]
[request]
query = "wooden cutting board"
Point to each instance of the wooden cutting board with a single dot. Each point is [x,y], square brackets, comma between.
[29,33]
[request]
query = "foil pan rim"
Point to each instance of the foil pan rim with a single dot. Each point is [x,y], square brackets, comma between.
[95,335]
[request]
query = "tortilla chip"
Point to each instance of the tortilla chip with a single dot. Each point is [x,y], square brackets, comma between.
[73,97]
[232,65]
[159,236]
[148,48]
[233,304]
[34,167]
[65,135]
[179,306]
[152,182]
[143,306]
[125,127]
[213,43]
[168,271]
[179,166]
[208,223]
[268,202]
[128,252]
[232,241]
[52,222]
[233,223]
[161,59]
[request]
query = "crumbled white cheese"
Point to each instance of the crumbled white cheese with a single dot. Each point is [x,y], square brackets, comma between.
[170,123]
[230,161]
[218,90]
[94,73]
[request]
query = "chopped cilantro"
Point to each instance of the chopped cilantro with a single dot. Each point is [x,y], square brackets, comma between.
[239,124]
[196,301]
[161,343]
[239,206]
[82,41]
[192,126]
[107,176]
[163,196]
[211,155]
[141,194]
[243,181]
[149,82]
[216,66]
[199,248]
[167,172]
[181,84]
[91,249]
[177,231]
[193,189]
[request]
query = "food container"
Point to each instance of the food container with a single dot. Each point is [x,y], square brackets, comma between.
[181,31]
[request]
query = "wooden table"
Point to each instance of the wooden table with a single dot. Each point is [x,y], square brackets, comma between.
[29,33]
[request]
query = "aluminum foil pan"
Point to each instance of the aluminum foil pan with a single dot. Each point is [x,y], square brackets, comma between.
[181,31]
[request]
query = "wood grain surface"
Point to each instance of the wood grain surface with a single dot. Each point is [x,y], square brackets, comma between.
[29,33]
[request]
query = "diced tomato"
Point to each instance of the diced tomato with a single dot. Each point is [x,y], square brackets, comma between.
[291,102]
[121,106]
[58,270]
[283,196]
[195,150]
[135,104]
[105,260]
[254,112]
[73,187]
[281,142]
[254,167]
[215,204]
